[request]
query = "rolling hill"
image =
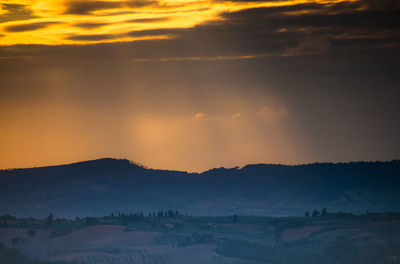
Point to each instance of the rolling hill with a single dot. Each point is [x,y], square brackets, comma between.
[102,186]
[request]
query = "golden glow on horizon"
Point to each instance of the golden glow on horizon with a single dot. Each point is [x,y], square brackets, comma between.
[193,143]
[52,23]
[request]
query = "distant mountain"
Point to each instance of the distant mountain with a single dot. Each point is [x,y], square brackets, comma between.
[102,186]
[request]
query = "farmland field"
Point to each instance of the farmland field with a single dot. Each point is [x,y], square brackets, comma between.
[123,239]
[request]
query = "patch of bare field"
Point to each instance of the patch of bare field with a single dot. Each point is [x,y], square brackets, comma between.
[384,223]
[364,234]
[340,232]
[200,254]
[195,254]
[295,233]
[244,228]
[6,234]
[35,246]
[148,255]
[100,237]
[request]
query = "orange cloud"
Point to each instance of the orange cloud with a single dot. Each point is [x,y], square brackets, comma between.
[271,115]
[111,18]
[199,115]
[237,115]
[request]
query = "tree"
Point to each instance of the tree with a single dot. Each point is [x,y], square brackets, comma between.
[15,240]
[31,232]
[50,219]
[315,213]
[91,221]
[324,212]
[234,218]
[170,213]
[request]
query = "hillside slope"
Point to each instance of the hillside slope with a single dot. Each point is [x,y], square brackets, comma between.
[103,186]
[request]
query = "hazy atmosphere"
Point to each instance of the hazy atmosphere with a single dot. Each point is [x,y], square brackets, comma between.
[193,85]
[199,131]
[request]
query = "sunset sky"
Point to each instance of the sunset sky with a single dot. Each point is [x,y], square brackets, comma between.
[193,85]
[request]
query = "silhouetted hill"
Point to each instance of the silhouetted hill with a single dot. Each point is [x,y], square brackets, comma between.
[103,186]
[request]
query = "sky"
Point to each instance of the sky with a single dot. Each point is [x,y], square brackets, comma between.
[193,85]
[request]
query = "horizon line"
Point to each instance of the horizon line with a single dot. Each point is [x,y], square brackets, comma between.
[138,164]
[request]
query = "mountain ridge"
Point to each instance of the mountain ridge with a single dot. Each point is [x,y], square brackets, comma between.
[101,186]
[137,164]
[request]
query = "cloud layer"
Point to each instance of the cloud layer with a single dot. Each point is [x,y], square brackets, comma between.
[293,28]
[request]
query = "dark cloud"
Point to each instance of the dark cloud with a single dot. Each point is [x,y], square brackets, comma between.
[86,7]
[139,33]
[278,30]
[380,4]
[15,12]
[340,15]
[139,3]
[283,31]
[148,20]
[155,32]
[94,37]
[89,25]
[343,28]
[284,28]
[244,1]
[308,47]
[383,4]
[29,26]
[303,29]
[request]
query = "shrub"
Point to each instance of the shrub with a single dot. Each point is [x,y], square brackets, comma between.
[31,232]
[15,240]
